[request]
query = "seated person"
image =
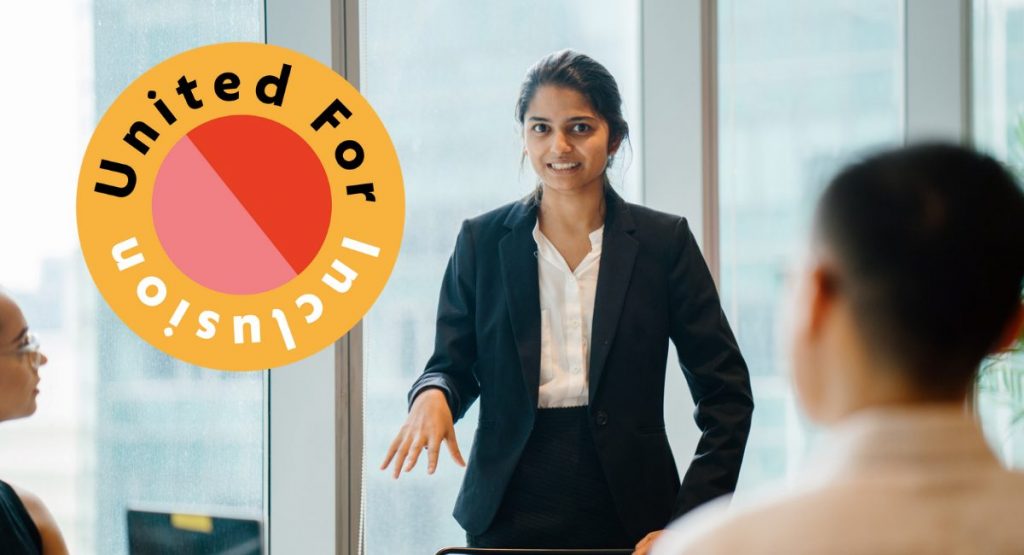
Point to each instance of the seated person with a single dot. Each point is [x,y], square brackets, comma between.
[914,277]
[26,526]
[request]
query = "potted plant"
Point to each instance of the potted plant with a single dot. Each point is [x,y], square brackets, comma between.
[999,403]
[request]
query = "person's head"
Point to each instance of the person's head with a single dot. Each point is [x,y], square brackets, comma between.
[20,360]
[570,112]
[915,276]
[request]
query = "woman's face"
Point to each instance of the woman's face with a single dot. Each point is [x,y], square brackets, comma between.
[566,140]
[18,375]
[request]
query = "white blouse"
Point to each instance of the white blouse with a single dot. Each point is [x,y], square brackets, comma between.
[566,315]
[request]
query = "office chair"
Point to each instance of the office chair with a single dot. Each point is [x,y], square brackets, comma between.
[483,551]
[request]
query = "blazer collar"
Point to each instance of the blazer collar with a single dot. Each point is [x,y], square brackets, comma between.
[518,256]
[617,216]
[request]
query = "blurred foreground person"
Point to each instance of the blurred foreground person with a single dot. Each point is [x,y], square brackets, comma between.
[26,526]
[914,277]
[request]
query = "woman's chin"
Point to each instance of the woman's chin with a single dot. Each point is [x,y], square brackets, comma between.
[569,186]
[30,409]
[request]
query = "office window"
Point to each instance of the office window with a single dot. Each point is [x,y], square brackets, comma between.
[804,86]
[449,110]
[998,117]
[119,424]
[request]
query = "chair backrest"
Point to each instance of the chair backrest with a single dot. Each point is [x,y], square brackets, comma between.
[483,551]
[156,531]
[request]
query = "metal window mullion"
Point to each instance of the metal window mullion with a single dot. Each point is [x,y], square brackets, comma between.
[673,154]
[349,402]
[302,400]
[671,109]
[709,127]
[937,70]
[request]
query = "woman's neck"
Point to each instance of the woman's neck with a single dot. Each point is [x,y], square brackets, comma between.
[576,212]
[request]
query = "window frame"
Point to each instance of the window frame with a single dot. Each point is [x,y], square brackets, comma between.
[315,491]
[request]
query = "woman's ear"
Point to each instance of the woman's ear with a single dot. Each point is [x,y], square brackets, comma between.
[613,146]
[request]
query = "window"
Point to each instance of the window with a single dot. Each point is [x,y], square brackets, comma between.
[998,110]
[449,110]
[803,86]
[119,424]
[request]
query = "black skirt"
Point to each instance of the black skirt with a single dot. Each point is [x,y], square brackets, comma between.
[558,497]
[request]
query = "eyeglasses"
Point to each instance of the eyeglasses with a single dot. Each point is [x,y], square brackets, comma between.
[35,356]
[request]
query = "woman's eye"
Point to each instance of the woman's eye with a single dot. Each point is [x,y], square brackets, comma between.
[581,128]
[540,128]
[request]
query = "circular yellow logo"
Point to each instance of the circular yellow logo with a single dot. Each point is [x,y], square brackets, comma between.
[240,206]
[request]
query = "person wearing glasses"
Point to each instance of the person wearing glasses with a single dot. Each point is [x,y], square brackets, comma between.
[914,276]
[557,312]
[26,526]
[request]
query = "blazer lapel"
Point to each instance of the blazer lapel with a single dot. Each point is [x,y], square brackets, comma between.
[618,253]
[517,251]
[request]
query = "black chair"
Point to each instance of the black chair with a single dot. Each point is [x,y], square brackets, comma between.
[481,551]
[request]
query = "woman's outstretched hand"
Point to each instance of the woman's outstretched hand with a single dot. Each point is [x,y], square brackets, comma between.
[429,422]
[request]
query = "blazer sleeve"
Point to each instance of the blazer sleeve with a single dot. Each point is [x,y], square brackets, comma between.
[716,373]
[451,367]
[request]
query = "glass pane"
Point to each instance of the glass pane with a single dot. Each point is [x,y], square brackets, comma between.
[998,67]
[804,86]
[119,424]
[449,110]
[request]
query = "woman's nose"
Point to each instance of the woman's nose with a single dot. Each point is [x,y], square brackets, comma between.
[561,143]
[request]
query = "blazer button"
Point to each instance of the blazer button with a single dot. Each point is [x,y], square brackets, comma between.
[601,418]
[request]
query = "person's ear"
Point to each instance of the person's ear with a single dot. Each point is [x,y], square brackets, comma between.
[821,296]
[613,146]
[1012,331]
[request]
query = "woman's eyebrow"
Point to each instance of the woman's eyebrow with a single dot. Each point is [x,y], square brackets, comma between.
[574,118]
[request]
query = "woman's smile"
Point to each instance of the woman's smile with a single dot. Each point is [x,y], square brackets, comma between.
[564,168]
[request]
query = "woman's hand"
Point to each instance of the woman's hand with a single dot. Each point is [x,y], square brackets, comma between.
[429,422]
[643,547]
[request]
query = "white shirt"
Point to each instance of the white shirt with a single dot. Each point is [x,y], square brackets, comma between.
[566,316]
[893,481]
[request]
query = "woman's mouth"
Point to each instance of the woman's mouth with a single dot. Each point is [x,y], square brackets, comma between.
[563,167]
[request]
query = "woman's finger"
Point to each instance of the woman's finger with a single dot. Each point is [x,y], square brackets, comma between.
[453,446]
[403,452]
[392,449]
[414,451]
[433,447]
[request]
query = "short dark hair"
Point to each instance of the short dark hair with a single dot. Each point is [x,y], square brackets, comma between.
[583,74]
[929,241]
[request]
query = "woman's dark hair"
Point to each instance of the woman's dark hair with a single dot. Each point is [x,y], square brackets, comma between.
[583,74]
[929,241]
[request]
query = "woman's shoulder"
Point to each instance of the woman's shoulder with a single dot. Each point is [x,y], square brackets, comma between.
[650,216]
[651,224]
[495,222]
[53,541]
[499,215]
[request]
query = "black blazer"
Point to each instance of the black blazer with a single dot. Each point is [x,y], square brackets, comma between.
[653,285]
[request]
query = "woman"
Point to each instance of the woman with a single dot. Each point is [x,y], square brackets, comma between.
[26,526]
[557,311]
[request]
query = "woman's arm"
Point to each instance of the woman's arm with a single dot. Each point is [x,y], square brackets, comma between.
[446,389]
[53,541]
[450,368]
[716,373]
